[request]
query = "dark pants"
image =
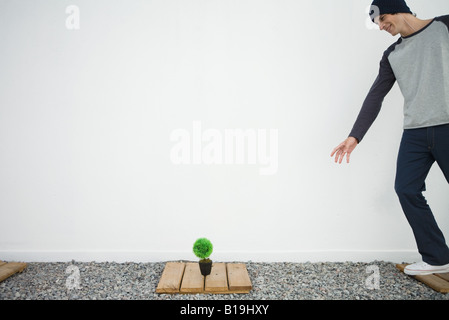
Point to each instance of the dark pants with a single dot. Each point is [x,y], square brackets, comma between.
[419,149]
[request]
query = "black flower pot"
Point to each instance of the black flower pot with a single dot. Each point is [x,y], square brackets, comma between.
[205,267]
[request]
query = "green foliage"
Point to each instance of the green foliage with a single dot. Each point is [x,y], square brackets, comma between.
[202,248]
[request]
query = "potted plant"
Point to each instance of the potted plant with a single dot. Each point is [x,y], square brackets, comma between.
[202,248]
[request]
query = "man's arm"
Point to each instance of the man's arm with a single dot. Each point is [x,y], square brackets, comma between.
[373,101]
[370,108]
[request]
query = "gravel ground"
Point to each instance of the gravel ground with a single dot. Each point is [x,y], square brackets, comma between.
[271,281]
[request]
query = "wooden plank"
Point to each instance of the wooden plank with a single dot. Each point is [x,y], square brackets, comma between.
[238,277]
[170,281]
[8,269]
[444,276]
[401,267]
[435,282]
[193,280]
[217,281]
[2,262]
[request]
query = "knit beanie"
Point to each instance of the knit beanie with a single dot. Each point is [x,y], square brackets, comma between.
[380,7]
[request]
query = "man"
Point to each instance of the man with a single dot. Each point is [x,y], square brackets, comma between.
[419,62]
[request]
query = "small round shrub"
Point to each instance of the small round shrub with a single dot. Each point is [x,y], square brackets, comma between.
[202,248]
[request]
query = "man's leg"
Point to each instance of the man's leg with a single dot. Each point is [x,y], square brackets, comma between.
[440,151]
[415,159]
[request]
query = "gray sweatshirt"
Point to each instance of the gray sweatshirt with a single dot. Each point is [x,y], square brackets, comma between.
[420,65]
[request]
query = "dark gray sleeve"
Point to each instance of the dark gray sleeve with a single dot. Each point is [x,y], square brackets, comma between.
[373,101]
[444,19]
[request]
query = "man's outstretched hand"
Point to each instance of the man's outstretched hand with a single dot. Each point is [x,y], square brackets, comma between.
[344,148]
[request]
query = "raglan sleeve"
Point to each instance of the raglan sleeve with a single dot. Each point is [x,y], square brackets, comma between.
[373,101]
[445,20]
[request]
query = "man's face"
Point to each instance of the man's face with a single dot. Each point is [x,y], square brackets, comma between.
[389,23]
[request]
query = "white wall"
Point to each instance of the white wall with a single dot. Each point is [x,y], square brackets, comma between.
[86,117]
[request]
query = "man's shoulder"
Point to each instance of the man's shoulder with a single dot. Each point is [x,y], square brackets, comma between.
[391,48]
[444,19]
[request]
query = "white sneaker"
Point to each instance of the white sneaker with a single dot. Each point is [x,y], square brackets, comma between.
[422,268]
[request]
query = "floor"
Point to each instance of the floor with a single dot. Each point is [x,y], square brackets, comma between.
[377,280]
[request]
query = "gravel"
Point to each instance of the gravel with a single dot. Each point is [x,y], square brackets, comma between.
[271,281]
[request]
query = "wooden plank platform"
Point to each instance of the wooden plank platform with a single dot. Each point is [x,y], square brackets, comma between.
[186,277]
[438,281]
[7,269]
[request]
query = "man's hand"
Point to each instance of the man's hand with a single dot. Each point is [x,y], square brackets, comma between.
[344,148]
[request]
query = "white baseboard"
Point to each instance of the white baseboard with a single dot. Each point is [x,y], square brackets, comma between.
[282,256]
